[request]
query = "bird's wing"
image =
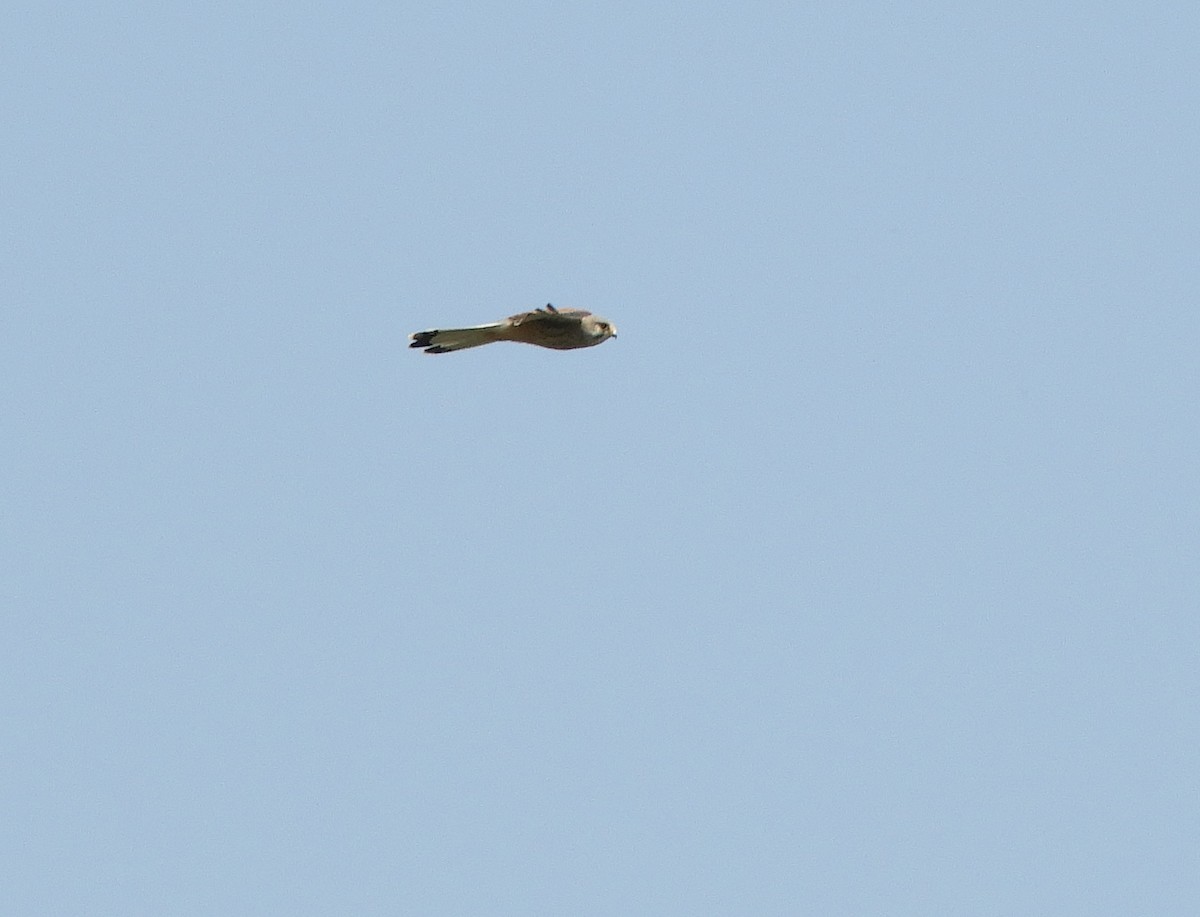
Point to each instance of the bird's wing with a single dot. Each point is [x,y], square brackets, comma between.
[549,316]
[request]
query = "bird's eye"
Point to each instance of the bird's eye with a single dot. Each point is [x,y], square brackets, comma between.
[604,326]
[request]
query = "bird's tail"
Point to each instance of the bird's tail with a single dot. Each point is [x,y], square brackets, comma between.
[449,339]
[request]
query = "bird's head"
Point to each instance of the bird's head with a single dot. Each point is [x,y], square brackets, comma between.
[600,328]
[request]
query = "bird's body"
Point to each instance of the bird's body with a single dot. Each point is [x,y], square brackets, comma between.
[558,329]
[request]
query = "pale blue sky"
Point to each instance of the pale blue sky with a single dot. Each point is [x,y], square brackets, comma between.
[857,576]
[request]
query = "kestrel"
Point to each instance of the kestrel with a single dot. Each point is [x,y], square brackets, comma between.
[559,329]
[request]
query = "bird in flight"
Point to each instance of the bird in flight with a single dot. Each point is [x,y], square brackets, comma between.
[558,329]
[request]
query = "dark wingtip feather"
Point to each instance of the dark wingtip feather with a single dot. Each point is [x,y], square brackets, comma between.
[422,338]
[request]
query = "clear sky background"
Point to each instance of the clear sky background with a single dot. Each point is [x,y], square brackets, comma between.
[857,576]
